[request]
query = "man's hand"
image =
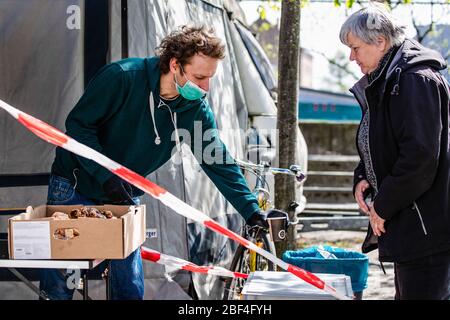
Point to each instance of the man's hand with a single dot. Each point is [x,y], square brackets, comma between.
[376,222]
[362,186]
[258,219]
[118,191]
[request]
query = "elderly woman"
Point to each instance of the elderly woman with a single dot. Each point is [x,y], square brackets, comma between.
[403,179]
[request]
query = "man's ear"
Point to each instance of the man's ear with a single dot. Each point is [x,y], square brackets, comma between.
[173,65]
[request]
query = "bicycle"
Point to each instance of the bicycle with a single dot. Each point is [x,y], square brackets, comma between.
[247,261]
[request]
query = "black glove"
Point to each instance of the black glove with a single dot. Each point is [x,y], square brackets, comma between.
[258,219]
[118,191]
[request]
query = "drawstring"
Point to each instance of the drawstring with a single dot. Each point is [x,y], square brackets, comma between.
[74,173]
[177,136]
[382,267]
[152,111]
[396,89]
[173,117]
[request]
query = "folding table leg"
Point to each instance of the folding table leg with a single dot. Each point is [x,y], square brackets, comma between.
[85,286]
[29,284]
[106,276]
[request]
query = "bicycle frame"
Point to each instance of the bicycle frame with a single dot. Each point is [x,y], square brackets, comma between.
[264,202]
[248,261]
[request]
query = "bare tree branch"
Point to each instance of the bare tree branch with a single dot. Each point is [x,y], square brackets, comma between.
[340,66]
[399,2]
[422,36]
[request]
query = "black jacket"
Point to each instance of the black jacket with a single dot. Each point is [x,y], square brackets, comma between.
[410,153]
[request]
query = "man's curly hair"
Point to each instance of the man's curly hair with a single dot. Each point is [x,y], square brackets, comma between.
[186,42]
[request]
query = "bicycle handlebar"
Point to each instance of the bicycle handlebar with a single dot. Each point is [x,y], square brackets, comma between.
[261,169]
[294,170]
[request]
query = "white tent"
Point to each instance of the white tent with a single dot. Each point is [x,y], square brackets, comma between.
[50,49]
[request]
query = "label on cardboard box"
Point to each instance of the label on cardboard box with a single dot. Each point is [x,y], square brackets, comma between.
[152,233]
[31,240]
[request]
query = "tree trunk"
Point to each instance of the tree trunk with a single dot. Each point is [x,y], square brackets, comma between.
[287,123]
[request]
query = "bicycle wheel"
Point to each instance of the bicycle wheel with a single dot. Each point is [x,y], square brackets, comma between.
[247,261]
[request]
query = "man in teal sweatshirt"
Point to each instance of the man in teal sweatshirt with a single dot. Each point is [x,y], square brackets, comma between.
[133,111]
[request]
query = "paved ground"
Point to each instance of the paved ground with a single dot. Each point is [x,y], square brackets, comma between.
[380,286]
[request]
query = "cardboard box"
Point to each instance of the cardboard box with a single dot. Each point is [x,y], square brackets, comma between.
[31,235]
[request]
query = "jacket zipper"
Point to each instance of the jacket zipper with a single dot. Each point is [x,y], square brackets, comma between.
[420,217]
[368,136]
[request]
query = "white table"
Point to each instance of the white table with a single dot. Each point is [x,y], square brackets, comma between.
[13,265]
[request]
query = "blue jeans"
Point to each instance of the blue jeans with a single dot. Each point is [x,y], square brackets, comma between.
[126,275]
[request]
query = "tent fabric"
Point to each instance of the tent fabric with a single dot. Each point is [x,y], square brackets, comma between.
[42,72]
[259,58]
[257,97]
[36,48]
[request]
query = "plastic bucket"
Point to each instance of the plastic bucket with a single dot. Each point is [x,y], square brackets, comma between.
[336,261]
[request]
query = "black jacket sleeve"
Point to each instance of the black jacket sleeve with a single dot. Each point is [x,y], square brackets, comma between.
[359,174]
[415,119]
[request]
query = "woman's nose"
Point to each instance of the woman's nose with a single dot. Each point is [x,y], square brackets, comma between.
[352,56]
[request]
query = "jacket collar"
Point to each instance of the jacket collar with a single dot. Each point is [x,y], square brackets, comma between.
[410,54]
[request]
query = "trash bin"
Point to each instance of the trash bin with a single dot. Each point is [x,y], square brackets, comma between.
[327,259]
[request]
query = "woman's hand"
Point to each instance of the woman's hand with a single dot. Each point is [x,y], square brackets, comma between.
[376,222]
[362,186]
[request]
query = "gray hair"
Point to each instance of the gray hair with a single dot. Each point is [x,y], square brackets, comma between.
[372,22]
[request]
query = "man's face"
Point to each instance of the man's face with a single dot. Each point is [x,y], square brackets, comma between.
[200,69]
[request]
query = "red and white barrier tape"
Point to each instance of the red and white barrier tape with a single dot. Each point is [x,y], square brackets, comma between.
[177,263]
[56,137]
